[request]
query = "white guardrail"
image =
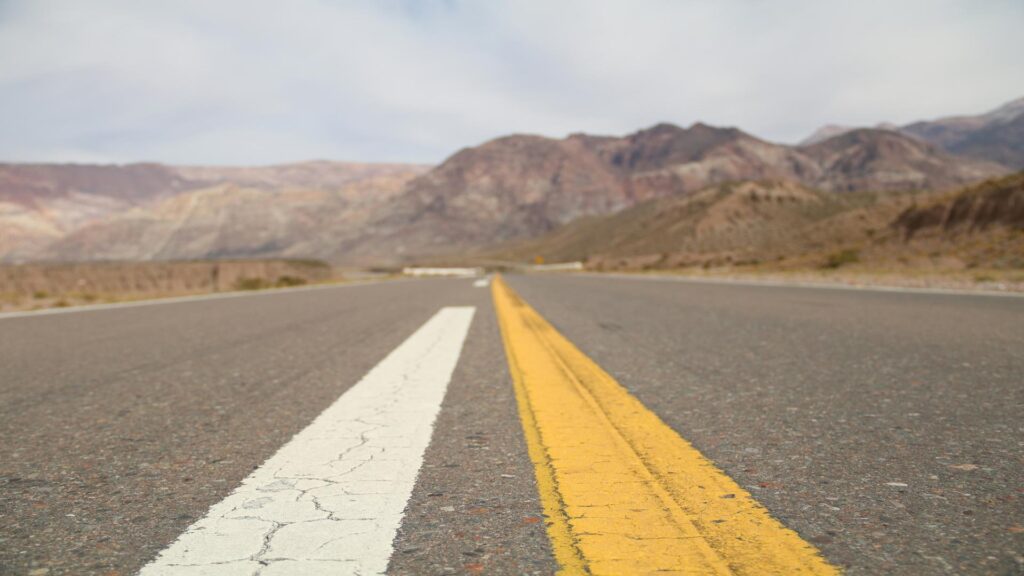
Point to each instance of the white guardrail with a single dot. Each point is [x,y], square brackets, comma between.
[457,272]
[559,267]
[467,272]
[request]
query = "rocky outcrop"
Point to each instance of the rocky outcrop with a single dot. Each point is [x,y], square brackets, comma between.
[998,203]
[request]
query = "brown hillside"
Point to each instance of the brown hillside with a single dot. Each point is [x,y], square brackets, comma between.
[997,203]
[780,224]
[736,222]
[27,286]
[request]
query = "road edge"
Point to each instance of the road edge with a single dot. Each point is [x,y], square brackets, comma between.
[801,284]
[191,298]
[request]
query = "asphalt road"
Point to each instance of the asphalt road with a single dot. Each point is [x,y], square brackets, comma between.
[885,428]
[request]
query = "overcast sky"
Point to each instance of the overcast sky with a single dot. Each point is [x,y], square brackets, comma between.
[252,82]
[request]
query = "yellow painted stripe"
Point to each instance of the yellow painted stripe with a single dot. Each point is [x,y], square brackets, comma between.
[622,492]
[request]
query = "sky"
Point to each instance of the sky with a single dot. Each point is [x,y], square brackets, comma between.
[258,82]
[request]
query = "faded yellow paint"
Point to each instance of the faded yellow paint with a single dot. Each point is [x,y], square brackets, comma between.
[622,492]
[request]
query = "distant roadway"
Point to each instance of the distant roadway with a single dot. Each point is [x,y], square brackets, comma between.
[519,426]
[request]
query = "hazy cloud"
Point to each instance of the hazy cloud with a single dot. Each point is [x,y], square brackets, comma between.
[245,81]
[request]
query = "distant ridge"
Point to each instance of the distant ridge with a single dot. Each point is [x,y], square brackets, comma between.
[996,136]
[153,211]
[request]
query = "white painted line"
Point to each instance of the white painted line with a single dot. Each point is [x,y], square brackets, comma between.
[801,284]
[330,501]
[178,299]
[482,283]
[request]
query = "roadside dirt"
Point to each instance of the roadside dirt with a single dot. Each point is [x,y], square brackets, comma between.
[32,286]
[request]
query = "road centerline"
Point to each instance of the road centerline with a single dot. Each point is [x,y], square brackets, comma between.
[623,492]
[333,497]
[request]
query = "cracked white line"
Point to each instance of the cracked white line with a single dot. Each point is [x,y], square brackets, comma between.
[332,498]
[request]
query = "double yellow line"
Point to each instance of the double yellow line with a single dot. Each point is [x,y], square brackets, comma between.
[622,492]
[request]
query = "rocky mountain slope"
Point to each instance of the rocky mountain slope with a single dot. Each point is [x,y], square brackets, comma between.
[40,203]
[783,224]
[147,211]
[997,204]
[871,159]
[996,136]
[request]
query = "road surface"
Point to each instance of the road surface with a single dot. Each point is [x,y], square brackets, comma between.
[378,427]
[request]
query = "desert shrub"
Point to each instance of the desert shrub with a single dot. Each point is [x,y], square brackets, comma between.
[285,281]
[842,258]
[40,294]
[251,284]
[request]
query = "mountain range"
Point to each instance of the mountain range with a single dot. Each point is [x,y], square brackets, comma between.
[507,190]
[997,136]
[156,212]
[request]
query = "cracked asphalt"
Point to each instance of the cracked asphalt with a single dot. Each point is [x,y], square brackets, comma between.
[883,427]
